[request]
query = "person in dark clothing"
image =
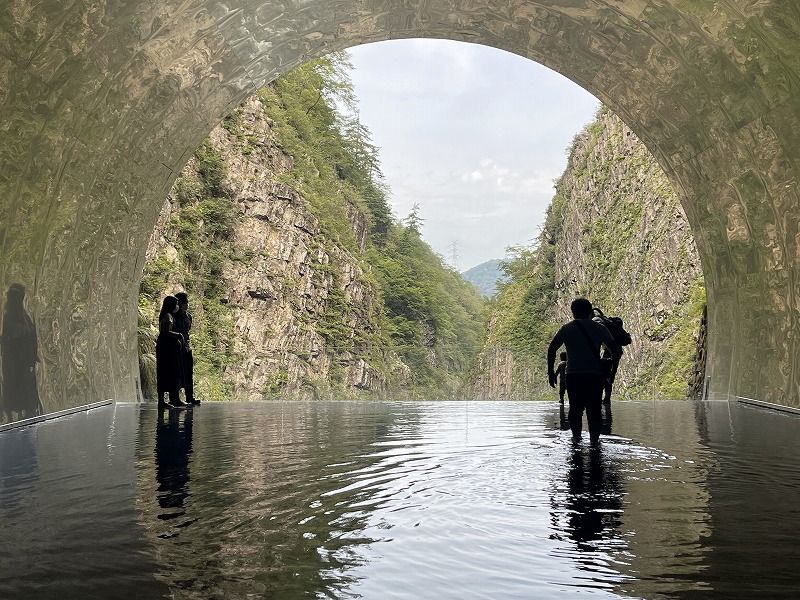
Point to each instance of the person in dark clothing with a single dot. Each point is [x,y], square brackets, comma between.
[608,382]
[583,339]
[561,375]
[20,353]
[169,356]
[183,324]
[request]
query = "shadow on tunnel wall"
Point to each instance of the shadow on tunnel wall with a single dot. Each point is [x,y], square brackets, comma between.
[19,352]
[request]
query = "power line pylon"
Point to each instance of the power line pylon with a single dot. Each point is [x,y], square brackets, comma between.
[454,254]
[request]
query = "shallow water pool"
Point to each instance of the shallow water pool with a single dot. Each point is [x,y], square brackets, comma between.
[401,500]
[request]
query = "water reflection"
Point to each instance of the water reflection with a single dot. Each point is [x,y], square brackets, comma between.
[252,505]
[398,501]
[593,502]
[20,353]
[18,469]
[173,448]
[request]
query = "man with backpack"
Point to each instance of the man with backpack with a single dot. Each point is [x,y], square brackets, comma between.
[621,338]
[583,338]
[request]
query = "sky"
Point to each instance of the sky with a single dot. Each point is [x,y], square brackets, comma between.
[475,136]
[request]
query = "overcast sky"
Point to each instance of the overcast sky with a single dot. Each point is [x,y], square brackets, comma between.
[475,136]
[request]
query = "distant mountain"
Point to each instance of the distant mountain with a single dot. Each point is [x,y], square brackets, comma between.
[485,276]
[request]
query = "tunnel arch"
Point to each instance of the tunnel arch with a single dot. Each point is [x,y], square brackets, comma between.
[102,104]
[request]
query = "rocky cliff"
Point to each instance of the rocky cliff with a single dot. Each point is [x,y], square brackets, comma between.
[615,233]
[285,277]
[288,253]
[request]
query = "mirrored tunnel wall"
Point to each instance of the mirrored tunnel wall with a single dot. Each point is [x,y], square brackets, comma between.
[102,103]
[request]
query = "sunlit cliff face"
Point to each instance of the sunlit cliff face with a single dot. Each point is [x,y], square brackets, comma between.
[101,104]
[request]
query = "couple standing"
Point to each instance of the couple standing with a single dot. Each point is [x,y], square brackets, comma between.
[585,380]
[174,360]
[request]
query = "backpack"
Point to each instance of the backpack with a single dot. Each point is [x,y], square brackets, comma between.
[614,326]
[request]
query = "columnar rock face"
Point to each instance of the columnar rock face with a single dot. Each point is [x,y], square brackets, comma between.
[627,245]
[279,294]
[617,235]
[499,376]
[102,104]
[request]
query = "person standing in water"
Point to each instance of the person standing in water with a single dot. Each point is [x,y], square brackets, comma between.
[583,338]
[183,325]
[169,356]
[561,375]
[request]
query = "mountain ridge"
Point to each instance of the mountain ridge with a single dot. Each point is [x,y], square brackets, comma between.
[486,276]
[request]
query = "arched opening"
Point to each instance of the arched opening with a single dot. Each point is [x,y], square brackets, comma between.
[102,107]
[476,151]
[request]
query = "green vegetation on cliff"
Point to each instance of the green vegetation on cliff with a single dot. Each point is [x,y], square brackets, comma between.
[427,317]
[523,312]
[616,234]
[433,317]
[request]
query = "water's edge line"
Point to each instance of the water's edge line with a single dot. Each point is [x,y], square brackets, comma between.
[768,405]
[55,415]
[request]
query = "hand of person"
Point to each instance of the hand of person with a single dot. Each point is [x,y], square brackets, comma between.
[551,377]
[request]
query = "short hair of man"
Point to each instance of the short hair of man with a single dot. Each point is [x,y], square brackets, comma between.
[581,308]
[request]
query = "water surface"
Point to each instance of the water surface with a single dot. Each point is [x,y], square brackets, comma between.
[400,500]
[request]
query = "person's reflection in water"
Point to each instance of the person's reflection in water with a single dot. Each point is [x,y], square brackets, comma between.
[594,501]
[18,472]
[172,453]
[20,353]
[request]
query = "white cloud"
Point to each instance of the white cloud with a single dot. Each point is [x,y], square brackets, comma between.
[496,177]
[473,177]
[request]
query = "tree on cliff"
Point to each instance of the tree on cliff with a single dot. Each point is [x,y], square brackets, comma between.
[428,318]
[616,234]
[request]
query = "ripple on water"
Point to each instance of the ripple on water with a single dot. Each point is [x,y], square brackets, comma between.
[399,500]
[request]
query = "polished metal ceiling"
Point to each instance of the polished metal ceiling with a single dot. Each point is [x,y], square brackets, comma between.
[102,103]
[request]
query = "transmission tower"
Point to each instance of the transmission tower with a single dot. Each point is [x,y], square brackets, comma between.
[454,254]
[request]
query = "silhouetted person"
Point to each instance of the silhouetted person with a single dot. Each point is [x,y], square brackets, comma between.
[560,373]
[169,356]
[607,419]
[183,325]
[582,338]
[20,353]
[172,452]
[608,382]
